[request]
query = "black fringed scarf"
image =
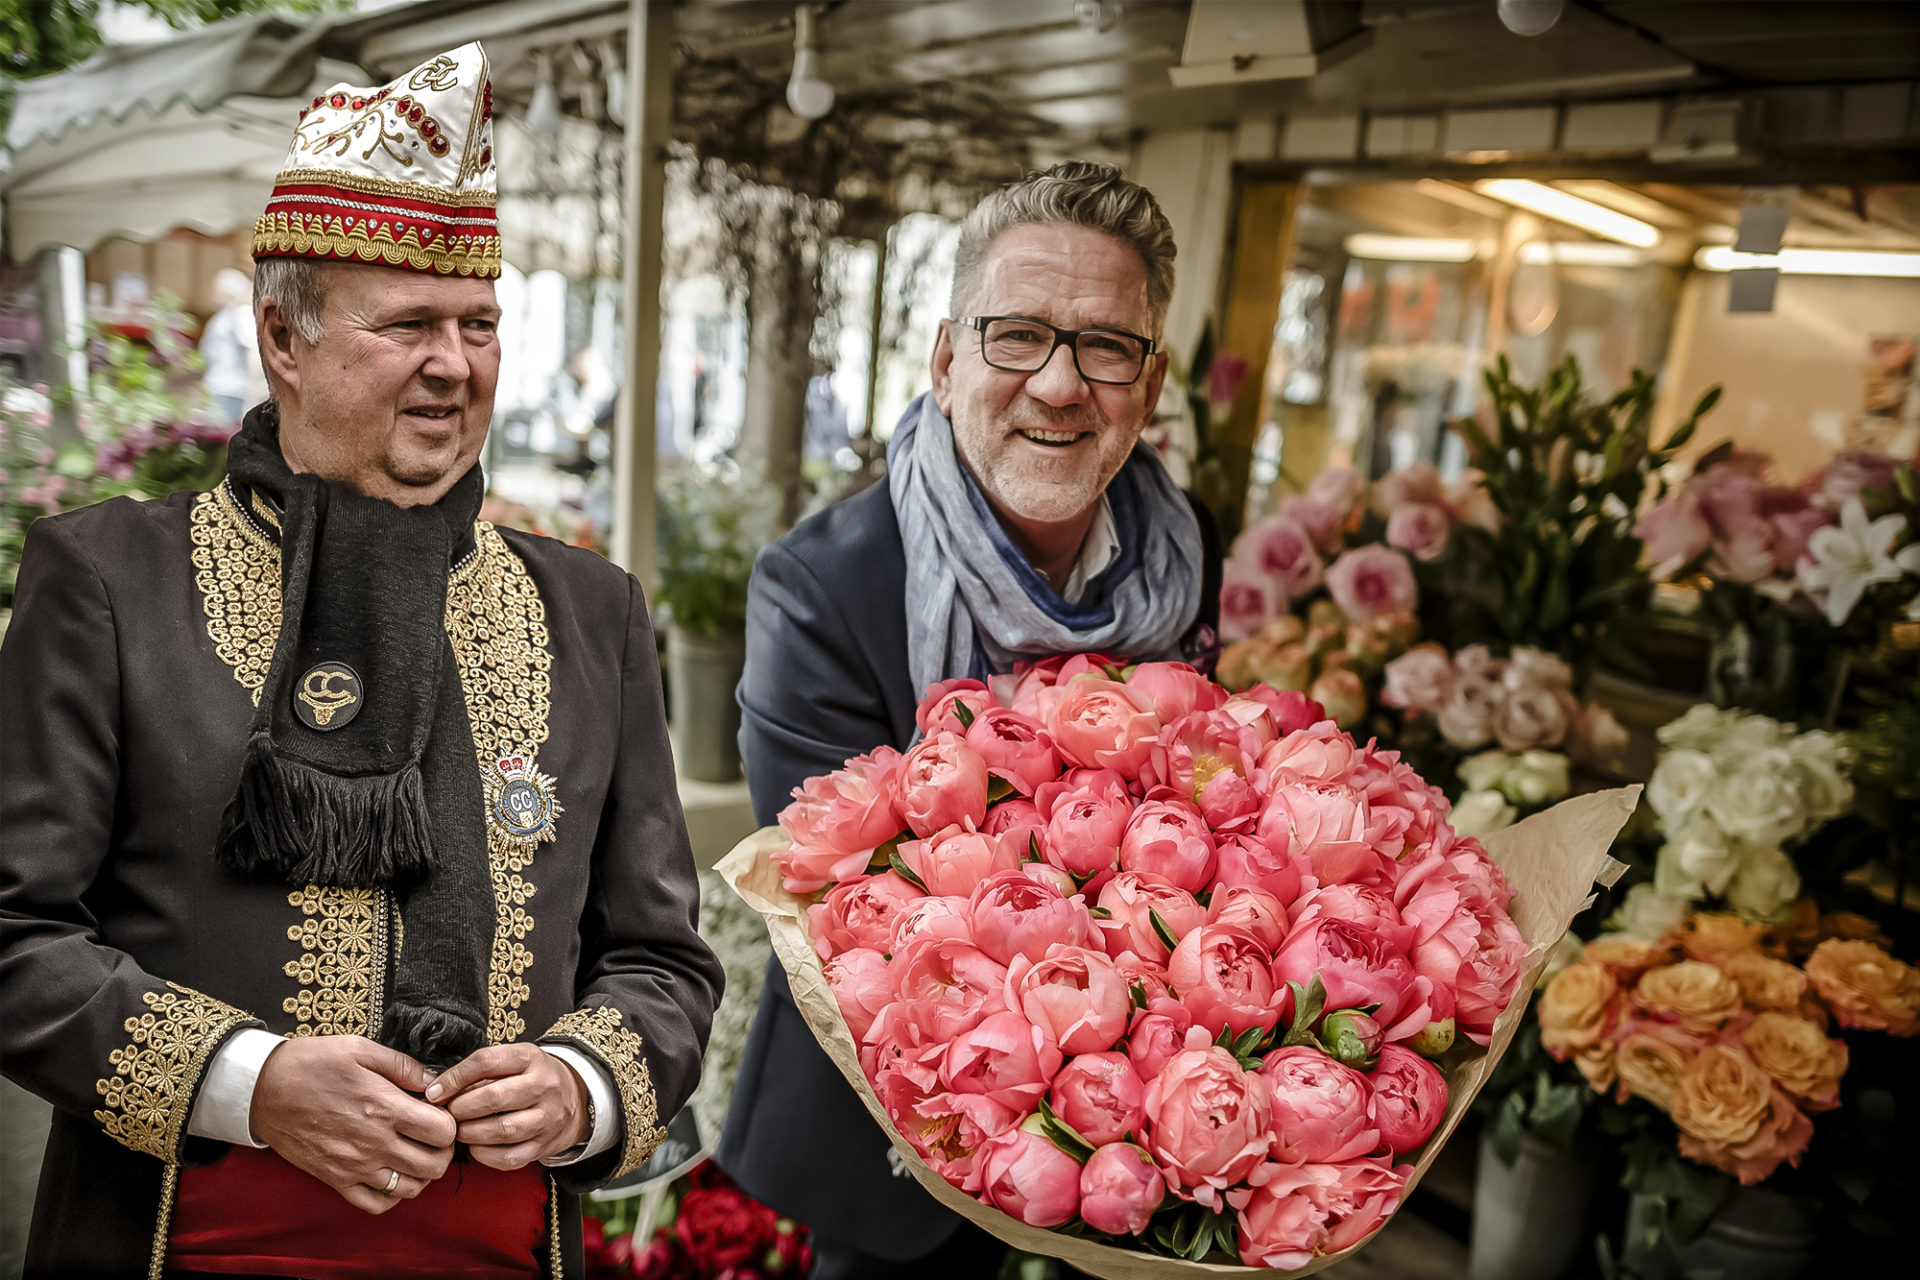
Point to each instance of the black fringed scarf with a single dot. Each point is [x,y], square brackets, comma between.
[387,794]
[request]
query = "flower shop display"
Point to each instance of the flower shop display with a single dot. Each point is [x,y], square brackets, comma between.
[1333,660]
[1121,958]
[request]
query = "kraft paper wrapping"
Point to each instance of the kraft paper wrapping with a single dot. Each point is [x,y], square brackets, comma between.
[1552,861]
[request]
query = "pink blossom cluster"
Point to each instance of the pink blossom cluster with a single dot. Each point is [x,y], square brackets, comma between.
[1115,943]
[1524,703]
[116,459]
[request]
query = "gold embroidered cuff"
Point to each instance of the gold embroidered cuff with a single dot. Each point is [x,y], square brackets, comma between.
[598,1030]
[150,1093]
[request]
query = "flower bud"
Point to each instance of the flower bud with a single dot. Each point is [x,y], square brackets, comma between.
[1353,1038]
[1434,1039]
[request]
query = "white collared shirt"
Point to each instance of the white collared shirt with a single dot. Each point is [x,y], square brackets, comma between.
[1097,551]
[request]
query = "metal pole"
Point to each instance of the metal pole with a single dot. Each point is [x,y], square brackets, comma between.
[874,342]
[649,121]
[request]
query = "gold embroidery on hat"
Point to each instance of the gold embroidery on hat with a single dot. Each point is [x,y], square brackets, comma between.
[599,1031]
[147,1097]
[366,185]
[280,233]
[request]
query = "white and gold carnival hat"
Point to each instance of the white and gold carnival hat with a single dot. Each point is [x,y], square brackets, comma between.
[401,175]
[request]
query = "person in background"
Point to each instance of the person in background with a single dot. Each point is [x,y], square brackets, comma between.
[233,379]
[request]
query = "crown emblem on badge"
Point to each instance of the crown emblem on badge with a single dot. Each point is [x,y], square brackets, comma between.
[521,802]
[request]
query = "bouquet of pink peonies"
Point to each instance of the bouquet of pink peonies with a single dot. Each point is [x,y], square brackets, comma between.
[1122,959]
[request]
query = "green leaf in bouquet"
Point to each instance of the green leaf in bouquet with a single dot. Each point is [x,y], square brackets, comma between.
[1510,1126]
[1100,913]
[1063,1135]
[1138,992]
[1308,1004]
[1033,848]
[884,854]
[1161,931]
[964,714]
[1908,484]
[998,789]
[1713,457]
[906,872]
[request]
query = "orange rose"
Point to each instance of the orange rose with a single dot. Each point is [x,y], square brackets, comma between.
[1799,1057]
[1627,958]
[1798,934]
[1732,1117]
[1853,928]
[1577,1009]
[1866,987]
[1713,936]
[1650,1060]
[1766,983]
[1692,994]
[1596,1064]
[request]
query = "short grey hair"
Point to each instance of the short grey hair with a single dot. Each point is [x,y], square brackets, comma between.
[299,287]
[1077,193]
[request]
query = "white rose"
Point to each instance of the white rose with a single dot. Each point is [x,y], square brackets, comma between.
[1479,812]
[1765,883]
[1483,772]
[1759,802]
[1467,719]
[1419,679]
[1699,859]
[1533,715]
[1748,735]
[1822,760]
[1536,666]
[1647,913]
[1536,777]
[1698,730]
[1477,659]
[1680,784]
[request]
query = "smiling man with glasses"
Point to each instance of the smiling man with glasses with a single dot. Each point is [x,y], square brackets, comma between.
[1021,519]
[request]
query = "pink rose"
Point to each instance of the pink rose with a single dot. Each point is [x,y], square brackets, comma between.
[1120,1189]
[931,918]
[1420,529]
[862,986]
[1419,680]
[1015,747]
[1254,910]
[1014,915]
[1100,1096]
[1533,716]
[1026,1177]
[1101,724]
[952,861]
[1466,721]
[1169,839]
[1418,482]
[1075,995]
[1248,597]
[1087,813]
[1674,532]
[1338,487]
[1358,968]
[1253,862]
[1321,520]
[1159,1031]
[1210,1122]
[947,986]
[1368,581]
[859,913]
[1320,1108]
[936,713]
[1175,690]
[1225,975]
[1409,1098]
[1297,1213]
[1005,1058]
[943,783]
[1280,550]
[1131,900]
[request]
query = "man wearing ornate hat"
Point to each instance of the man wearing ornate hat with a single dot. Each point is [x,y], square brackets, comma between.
[347,916]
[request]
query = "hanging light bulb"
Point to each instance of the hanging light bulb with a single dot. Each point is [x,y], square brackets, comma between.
[1529,17]
[543,113]
[808,96]
[616,71]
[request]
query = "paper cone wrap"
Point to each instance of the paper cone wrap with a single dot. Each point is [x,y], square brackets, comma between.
[1552,862]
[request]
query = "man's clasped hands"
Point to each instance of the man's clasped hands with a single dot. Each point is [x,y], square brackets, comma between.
[378,1127]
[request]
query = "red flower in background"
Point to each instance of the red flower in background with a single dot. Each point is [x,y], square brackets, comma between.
[720,1233]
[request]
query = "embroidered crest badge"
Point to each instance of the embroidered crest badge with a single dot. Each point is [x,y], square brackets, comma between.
[521,802]
[328,697]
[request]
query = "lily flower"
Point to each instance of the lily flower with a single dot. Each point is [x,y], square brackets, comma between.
[1848,558]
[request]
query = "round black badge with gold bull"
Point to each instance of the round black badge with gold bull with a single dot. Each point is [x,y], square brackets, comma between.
[328,697]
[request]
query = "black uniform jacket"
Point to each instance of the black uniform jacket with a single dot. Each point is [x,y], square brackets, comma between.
[826,679]
[140,638]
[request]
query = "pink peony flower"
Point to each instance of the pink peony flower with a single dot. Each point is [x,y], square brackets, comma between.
[1464,942]
[862,986]
[1075,995]
[1025,1176]
[1320,1108]
[1169,839]
[1100,724]
[860,913]
[1297,1213]
[931,918]
[1175,690]
[1409,1098]
[1326,823]
[1051,876]
[1014,915]
[1158,1032]
[943,783]
[1358,968]
[1131,900]
[1279,550]
[1100,1095]
[1015,747]
[952,861]
[1004,1058]
[1255,910]
[840,818]
[1419,680]
[1148,976]
[1253,862]
[1224,975]
[1018,824]
[1211,759]
[1532,716]
[1087,813]
[805,868]
[948,1129]
[1287,710]
[936,713]
[1372,580]
[1209,1121]
[1120,1189]
[946,986]
[1420,529]
[1372,909]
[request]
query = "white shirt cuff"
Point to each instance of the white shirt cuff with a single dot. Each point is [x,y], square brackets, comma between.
[605,1103]
[225,1105]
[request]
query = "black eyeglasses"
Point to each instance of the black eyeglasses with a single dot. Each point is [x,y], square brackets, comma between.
[1021,344]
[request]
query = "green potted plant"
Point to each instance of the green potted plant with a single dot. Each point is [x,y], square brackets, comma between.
[712,522]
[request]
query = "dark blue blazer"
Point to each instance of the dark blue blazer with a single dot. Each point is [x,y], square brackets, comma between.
[826,679]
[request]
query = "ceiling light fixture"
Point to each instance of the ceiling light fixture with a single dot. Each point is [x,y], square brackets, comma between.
[1529,17]
[543,113]
[1812,262]
[808,96]
[1551,202]
[1410,248]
